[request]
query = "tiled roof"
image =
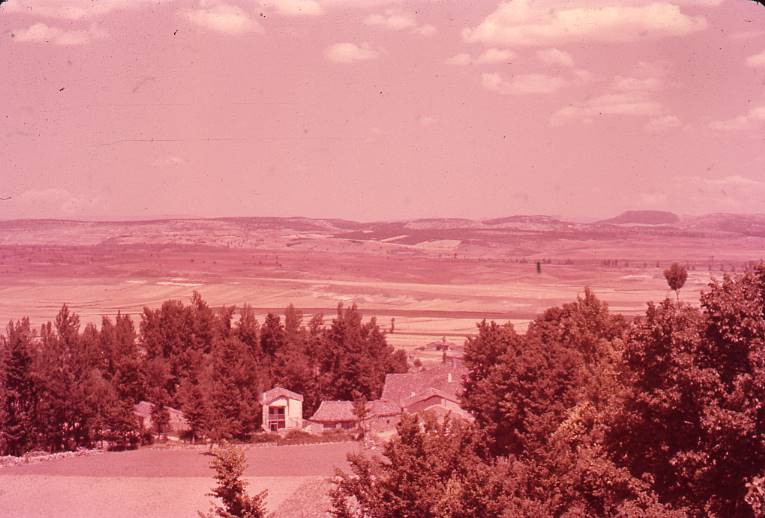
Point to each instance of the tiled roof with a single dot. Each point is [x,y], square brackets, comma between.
[427,393]
[382,408]
[277,392]
[399,387]
[144,408]
[334,411]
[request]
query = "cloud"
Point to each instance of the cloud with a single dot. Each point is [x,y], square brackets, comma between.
[488,57]
[54,202]
[607,104]
[630,95]
[463,58]
[395,19]
[221,17]
[747,35]
[492,56]
[42,33]
[664,123]
[349,52]
[296,7]
[757,60]
[555,57]
[426,30]
[728,192]
[553,22]
[522,84]
[754,117]
[72,9]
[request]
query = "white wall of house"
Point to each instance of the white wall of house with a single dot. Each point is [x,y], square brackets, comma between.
[293,413]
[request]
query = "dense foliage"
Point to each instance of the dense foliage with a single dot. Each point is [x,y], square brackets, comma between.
[229,464]
[587,414]
[66,386]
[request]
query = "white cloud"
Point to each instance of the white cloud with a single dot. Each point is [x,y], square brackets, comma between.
[426,30]
[755,116]
[56,202]
[555,57]
[630,95]
[392,19]
[608,104]
[395,19]
[636,84]
[349,52]
[221,17]
[522,84]
[463,58]
[296,7]
[551,22]
[492,56]
[664,123]
[747,35]
[729,192]
[757,60]
[42,33]
[72,9]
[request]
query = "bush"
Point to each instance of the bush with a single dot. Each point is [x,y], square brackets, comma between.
[264,437]
[301,437]
[147,438]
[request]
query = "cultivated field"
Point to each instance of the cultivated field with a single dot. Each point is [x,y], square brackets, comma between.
[167,483]
[434,277]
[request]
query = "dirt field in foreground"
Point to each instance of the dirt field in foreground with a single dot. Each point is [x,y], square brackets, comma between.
[166,483]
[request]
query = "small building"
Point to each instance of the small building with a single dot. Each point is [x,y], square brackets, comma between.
[434,390]
[445,377]
[176,425]
[334,415]
[282,410]
[435,401]
[383,415]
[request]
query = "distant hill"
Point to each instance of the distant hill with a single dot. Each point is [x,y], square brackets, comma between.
[643,217]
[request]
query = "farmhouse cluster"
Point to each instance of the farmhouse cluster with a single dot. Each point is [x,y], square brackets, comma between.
[434,390]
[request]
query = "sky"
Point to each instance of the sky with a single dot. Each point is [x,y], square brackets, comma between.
[380,109]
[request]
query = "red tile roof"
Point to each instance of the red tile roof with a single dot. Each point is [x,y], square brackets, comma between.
[427,393]
[446,377]
[382,408]
[334,412]
[338,411]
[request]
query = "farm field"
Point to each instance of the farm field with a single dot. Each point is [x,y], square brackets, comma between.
[166,483]
[436,278]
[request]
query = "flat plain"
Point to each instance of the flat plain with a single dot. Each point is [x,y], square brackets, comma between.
[427,279]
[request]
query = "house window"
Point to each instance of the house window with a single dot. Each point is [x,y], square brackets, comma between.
[276,418]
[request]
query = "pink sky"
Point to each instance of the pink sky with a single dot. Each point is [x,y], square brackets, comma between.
[374,109]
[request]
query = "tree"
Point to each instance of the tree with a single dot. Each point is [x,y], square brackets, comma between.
[676,276]
[430,470]
[229,465]
[233,396]
[693,418]
[195,408]
[361,412]
[18,424]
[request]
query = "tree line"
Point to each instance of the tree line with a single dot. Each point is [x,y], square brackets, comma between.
[65,386]
[588,414]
